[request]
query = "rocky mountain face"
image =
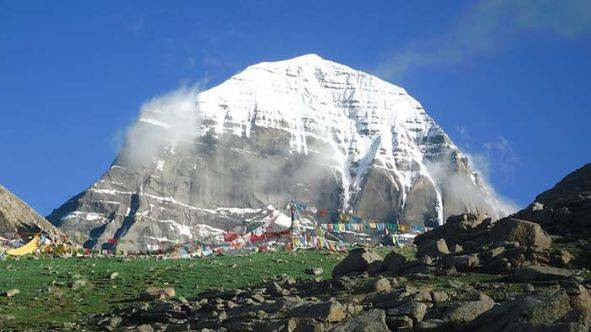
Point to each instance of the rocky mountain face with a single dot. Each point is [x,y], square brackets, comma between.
[566,208]
[16,217]
[308,129]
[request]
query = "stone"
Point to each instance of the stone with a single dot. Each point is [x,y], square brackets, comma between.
[560,258]
[315,271]
[439,296]
[422,296]
[115,321]
[114,275]
[331,311]
[466,311]
[427,260]
[499,266]
[455,284]
[416,310]
[145,328]
[492,254]
[372,320]
[535,310]
[381,285]
[433,248]
[79,283]
[456,248]
[462,262]
[152,293]
[11,293]
[393,263]
[344,282]
[399,323]
[525,232]
[357,261]
[539,274]
[431,325]
[275,289]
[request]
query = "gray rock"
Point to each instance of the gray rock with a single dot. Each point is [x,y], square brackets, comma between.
[331,311]
[17,217]
[464,312]
[524,232]
[414,309]
[439,296]
[534,311]
[368,321]
[11,293]
[434,248]
[399,323]
[393,263]
[380,285]
[315,271]
[157,293]
[358,260]
[539,274]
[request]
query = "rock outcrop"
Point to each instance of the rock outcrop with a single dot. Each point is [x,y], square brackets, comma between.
[195,165]
[479,244]
[566,208]
[16,217]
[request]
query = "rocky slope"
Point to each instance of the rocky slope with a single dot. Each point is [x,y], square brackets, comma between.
[306,128]
[16,217]
[566,208]
[368,293]
[470,274]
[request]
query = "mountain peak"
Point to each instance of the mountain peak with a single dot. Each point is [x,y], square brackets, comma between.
[304,128]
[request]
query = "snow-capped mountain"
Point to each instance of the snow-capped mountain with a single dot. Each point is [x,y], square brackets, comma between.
[306,128]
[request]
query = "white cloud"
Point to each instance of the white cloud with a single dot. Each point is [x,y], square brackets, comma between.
[485,28]
[163,121]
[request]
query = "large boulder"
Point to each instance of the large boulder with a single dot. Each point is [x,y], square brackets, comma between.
[393,263]
[358,260]
[531,312]
[540,274]
[433,248]
[525,232]
[464,312]
[373,320]
[331,311]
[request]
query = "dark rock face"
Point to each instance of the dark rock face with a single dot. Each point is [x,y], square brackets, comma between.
[566,208]
[17,217]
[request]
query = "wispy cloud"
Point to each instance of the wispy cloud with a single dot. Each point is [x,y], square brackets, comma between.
[486,27]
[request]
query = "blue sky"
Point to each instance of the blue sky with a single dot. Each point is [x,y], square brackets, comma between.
[508,80]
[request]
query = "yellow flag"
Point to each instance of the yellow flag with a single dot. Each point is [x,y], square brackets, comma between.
[28,248]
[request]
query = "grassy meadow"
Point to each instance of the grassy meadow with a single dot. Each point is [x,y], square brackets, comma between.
[51,297]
